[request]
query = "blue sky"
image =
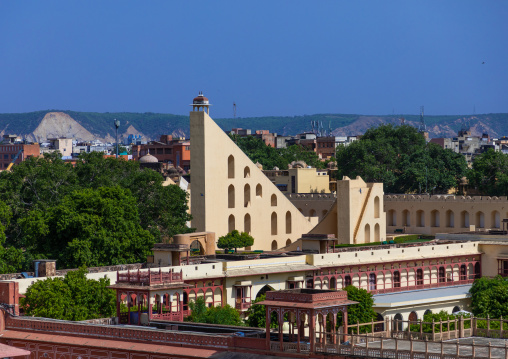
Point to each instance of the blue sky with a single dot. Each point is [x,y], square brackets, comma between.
[270,57]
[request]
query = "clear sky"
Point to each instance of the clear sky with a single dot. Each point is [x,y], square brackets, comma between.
[270,57]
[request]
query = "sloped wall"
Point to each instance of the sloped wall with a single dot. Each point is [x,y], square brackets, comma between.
[230,192]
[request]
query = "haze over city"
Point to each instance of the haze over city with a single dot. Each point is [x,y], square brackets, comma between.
[270,58]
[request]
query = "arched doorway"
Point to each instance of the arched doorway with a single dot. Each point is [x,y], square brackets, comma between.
[398,322]
[196,248]
[231,167]
[477,270]
[413,317]
[372,281]
[406,218]
[333,283]
[419,276]
[274,245]
[391,218]
[379,327]
[367,233]
[263,291]
[396,279]
[442,275]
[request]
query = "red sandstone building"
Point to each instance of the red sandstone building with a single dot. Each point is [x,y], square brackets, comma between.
[168,150]
[9,151]
[264,135]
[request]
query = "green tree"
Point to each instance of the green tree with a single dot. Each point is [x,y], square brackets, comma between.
[256,315]
[489,296]
[234,240]
[399,157]
[362,312]
[271,157]
[38,190]
[437,317]
[73,297]
[163,210]
[89,227]
[225,315]
[11,259]
[489,173]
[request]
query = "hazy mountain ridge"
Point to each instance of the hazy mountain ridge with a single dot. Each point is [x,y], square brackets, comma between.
[88,125]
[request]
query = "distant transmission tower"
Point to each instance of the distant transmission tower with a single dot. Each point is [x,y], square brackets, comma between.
[234,110]
[423,127]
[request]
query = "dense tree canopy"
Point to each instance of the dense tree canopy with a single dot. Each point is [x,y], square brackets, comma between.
[73,297]
[225,315]
[489,173]
[399,157]
[234,240]
[91,227]
[489,296]
[271,157]
[102,211]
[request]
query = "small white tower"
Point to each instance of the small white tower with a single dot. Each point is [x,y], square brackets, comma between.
[201,103]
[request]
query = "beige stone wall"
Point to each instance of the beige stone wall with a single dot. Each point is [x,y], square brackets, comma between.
[359,213]
[444,213]
[312,204]
[307,180]
[447,304]
[364,257]
[492,252]
[230,192]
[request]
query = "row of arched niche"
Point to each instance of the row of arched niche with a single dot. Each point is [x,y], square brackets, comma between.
[247,196]
[247,223]
[231,168]
[464,221]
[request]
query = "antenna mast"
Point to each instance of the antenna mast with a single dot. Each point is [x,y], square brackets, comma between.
[234,110]
[423,127]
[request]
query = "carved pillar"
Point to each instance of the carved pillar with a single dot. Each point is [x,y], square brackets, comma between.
[268,320]
[312,332]
[299,326]
[118,300]
[281,327]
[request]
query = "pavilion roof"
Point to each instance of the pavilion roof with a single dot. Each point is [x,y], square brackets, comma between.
[307,298]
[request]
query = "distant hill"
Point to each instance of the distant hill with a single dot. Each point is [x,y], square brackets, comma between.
[88,125]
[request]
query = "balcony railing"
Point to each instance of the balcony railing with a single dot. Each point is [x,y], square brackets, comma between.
[149,277]
[242,303]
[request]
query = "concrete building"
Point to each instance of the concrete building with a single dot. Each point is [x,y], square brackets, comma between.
[61,144]
[264,135]
[301,180]
[170,150]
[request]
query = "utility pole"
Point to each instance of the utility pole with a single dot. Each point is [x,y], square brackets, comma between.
[117,124]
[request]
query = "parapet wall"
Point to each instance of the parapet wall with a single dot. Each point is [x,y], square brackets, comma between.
[312,196]
[447,198]
[389,255]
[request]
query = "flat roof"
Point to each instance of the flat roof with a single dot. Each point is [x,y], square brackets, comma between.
[422,296]
[240,272]
[172,350]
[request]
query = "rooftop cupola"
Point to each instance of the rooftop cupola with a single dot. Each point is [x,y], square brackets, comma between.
[201,103]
